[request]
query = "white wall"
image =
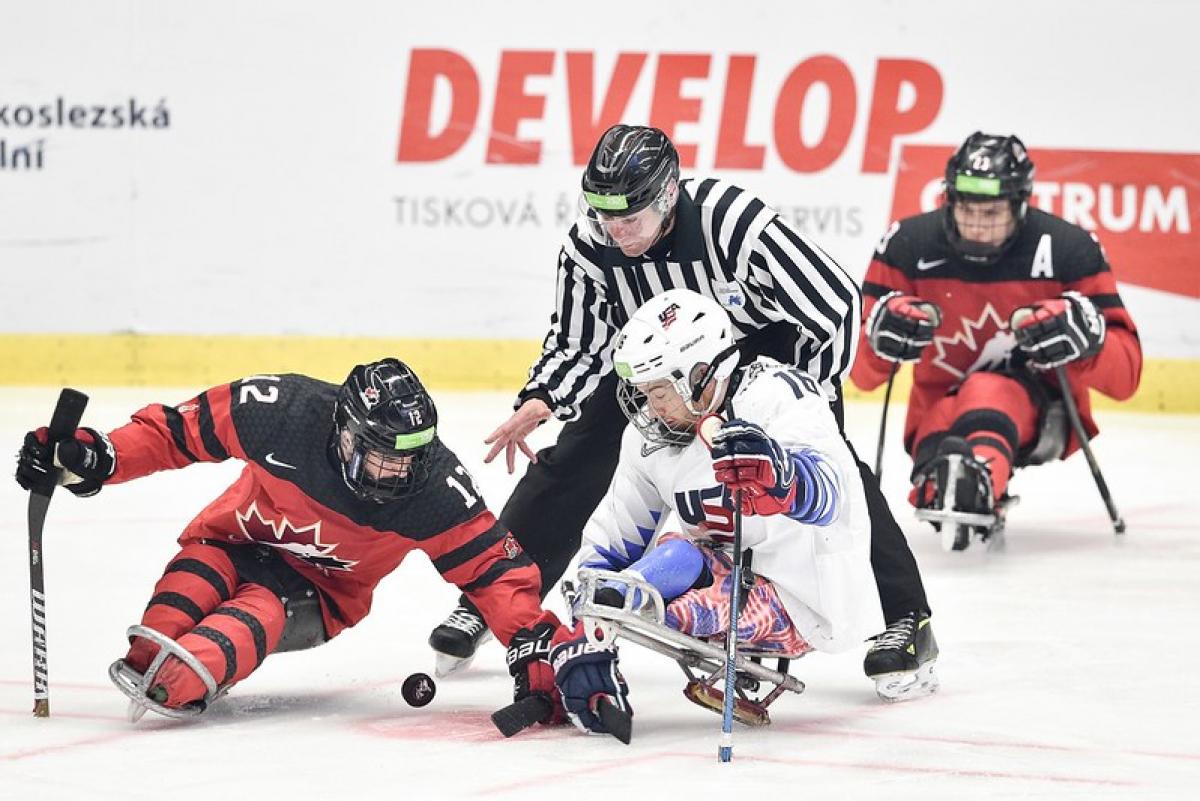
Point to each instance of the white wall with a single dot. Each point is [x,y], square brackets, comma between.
[269,203]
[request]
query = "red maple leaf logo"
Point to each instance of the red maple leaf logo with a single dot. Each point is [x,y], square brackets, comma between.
[985,343]
[511,548]
[302,542]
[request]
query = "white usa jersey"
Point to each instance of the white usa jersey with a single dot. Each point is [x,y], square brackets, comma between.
[822,572]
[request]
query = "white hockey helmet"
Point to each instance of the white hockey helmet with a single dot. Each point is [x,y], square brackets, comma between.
[681,337]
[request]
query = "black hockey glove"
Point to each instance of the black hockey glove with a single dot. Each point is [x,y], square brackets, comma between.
[585,674]
[1055,332]
[529,665]
[901,326]
[87,460]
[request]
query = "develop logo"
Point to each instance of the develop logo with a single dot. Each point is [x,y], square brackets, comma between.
[1144,207]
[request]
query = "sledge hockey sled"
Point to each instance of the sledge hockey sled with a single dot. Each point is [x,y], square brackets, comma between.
[136,686]
[641,621]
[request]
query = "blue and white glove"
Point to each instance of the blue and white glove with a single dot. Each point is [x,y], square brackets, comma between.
[745,459]
[585,673]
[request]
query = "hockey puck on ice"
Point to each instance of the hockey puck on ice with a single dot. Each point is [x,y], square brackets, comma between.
[418,689]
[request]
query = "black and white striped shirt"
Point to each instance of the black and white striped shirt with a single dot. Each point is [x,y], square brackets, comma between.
[726,244]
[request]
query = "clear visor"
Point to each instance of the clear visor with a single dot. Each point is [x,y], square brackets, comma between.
[614,228]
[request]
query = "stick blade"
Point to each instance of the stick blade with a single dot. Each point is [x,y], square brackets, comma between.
[616,722]
[520,715]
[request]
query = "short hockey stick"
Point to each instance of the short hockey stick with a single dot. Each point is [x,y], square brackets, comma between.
[1073,412]
[887,397]
[520,715]
[725,749]
[65,419]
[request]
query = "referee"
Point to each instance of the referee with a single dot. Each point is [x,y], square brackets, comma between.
[642,231]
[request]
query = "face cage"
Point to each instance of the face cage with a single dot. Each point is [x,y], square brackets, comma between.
[390,488]
[977,251]
[636,407]
[661,205]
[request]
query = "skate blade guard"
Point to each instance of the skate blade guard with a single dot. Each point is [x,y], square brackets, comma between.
[640,621]
[136,686]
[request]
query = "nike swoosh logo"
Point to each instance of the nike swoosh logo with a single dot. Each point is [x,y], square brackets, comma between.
[929,265]
[270,459]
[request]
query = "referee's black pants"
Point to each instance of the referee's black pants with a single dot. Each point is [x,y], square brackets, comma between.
[554,499]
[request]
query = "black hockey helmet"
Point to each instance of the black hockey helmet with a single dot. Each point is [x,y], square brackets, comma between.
[384,426]
[631,167]
[988,167]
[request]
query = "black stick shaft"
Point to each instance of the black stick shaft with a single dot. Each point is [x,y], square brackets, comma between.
[1073,412]
[887,397]
[67,413]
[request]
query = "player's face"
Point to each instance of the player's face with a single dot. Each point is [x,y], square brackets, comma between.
[633,233]
[986,222]
[377,466]
[666,404]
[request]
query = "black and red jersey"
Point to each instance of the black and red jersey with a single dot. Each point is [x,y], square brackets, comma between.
[291,496]
[1048,257]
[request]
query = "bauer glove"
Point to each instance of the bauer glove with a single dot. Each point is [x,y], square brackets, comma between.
[901,326]
[87,459]
[746,459]
[586,673]
[1055,332]
[529,665]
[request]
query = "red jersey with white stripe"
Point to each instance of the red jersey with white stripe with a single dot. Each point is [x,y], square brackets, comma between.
[291,497]
[1048,257]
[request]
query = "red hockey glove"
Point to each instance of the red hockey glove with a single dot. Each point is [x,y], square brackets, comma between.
[87,460]
[1058,331]
[900,326]
[746,459]
[585,673]
[529,665]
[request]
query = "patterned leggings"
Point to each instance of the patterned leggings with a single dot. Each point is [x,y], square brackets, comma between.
[763,623]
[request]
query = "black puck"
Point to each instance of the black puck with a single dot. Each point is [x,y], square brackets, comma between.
[418,689]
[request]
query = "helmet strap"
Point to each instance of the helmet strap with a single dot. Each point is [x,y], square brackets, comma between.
[712,371]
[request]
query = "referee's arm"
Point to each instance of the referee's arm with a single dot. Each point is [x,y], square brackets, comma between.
[815,293]
[575,353]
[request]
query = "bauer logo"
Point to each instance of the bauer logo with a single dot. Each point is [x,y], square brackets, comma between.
[1144,207]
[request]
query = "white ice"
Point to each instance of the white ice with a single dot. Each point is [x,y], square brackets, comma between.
[1067,660]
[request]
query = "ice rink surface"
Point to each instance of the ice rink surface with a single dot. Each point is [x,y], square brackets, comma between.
[1068,660]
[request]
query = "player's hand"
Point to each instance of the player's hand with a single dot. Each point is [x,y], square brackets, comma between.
[747,460]
[87,459]
[901,326]
[511,435]
[529,665]
[1060,330]
[585,673]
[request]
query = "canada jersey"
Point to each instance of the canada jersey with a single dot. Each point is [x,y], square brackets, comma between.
[1048,257]
[291,497]
[822,573]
